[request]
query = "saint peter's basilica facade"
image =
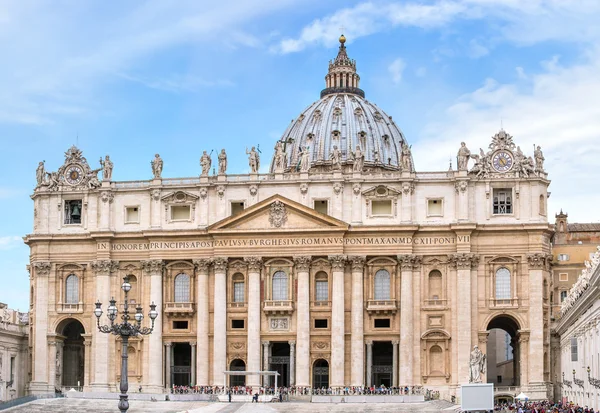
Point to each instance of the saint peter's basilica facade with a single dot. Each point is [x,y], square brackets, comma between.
[342,266]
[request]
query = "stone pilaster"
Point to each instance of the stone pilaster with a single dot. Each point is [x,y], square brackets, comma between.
[101,348]
[303,321]
[107,198]
[338,333]
[193,344]
[463,263]
[395,344]
[292,362]
[87,360]
[538,263]
[219,364]
[369,344]
[265,346]
[524,351]
[407,263]
[154,271]
[357,324]
[254,267]
[39,383]
[169,364]
[202,327]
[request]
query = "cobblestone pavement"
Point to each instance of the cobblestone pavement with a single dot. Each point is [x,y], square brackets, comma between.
[110,406]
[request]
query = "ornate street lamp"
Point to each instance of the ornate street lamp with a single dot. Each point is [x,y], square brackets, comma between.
[594,382]
[577,381]
[567,383]
[125,330]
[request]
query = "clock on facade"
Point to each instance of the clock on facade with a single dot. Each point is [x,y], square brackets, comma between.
[502,161]
[74,174]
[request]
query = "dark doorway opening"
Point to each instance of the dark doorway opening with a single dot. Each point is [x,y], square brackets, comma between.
[280,362]
[382,369]
[503,352]
[321,374]
[73,357]
[237,365]
[181,372]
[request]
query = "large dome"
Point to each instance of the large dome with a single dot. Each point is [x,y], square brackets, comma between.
[345,120]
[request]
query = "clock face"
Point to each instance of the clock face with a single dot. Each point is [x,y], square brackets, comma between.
[74,174]
[502,161]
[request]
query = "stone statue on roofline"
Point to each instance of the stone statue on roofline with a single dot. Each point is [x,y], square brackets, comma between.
[335,157]
[205,163]
[539,159]
[462,157]
[359,159]
[406,158]
[279,157]
[222,162]
[253,160]
[305,160]
[40,174]
[157,166]
[107,168]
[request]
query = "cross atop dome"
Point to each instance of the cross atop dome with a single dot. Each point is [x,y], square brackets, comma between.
[342,76]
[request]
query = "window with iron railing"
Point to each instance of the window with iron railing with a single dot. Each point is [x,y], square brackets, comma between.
[72,289]
[238,292]
[182,288]
[382,285]
[502,284]
[280,286]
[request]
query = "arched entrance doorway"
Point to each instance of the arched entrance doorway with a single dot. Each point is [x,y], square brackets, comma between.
[73,357]
[503,363]
[237,365]
[320,374]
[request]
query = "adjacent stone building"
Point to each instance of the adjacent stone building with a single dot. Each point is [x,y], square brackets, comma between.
[13,353]
[342,266]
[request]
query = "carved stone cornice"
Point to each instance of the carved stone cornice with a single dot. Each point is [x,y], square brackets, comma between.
[105,267]
[42,268]
[357,262]
[302,263]
[153,267]
[254,263]
[202,265]
[539,261]
[220,264]
[409,261]
[463,261]
[338,262]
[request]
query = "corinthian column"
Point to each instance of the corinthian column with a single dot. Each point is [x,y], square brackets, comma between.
[463,264]
[254,267]
[407,262]
[357,347]
[303,322]
[220,321]
[154,270]
[292,362]
[538,263]
[39,384]
[337,321]
[102,270]
[202,356]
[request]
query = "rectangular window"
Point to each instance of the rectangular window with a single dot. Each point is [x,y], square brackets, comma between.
[574,349]
[563,257]
[435,207]
[321,323]
[238,292]
[237,208]
[563,276]
[132,215]
[383,207]
[382,323]
[502,202]
[499,379]
[322,291]
[563,295]
[180,325]
[321,206]
[73,212]
[12,369]
[237,323]
[180,212]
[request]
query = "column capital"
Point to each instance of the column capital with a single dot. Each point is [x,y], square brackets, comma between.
[153,267]
[357,262]
[193,343]
[483,337]
[303,263]
[265,343]
[105,267]
[409,261]
[202,265]
[42,268]
[254,263]
[292,343]
[463,261]
[523,336]
[220,264]
[395,342]
[338,262]
[167,344]
[369,342]
[539,261]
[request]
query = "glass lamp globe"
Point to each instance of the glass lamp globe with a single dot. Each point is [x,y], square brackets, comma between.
[126,286]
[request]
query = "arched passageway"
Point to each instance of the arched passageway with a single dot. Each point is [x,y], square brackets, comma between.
[320,374]
[237,365]
[503,361]
[70,365]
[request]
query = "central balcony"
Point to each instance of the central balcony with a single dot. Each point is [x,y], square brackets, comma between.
[278,306]
[179,309]
[381,306]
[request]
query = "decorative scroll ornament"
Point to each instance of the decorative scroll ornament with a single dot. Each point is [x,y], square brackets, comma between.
[279,323]
[221,190]
[502,140]
[75,173]
[108,196]
[153,267]
[409,261]
[155,194]
[277,214]
[105,267]
[254,263]
[203,193]
[461,186]
[302,263]
[42,268]
[539,260]
[356,188]
[463,261]
[220,264]
[338,262]
[253,190]
[202,264]
[408,188]
[357,262]
[320,345]
[303,189]
[337,188]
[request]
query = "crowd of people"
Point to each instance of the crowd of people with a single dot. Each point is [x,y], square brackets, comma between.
[542,407]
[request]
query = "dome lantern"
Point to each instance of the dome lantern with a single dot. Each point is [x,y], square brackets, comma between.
[342,76]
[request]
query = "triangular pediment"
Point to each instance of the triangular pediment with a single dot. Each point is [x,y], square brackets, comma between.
[278,213]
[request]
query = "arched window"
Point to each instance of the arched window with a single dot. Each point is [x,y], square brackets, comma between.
[382,285]
[321,287]
[435,285]
[502,284]
[238,288]
[280,286]
[72,289]
[182,288]
[542,205]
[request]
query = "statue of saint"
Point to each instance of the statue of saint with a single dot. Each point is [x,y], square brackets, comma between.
[279,157]
[253,160]
[539,159]
[336,158]
[108,168]
[406,159]
[40,174]
[359,159]
[305,160]
[222,162]
[376,156]
[462,158]
[93,181]
[205,163]
[476,365]
[157,166]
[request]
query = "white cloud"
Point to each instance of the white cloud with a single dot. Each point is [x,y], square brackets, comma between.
[396,68]
[176,83]
[477,50]
[10,242]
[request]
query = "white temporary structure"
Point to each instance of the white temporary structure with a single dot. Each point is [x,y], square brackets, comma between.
[522,396]
[250,373]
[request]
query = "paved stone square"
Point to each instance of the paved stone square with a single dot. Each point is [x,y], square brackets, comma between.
[110,406]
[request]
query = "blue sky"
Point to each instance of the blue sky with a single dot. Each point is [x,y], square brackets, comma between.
[177,77]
